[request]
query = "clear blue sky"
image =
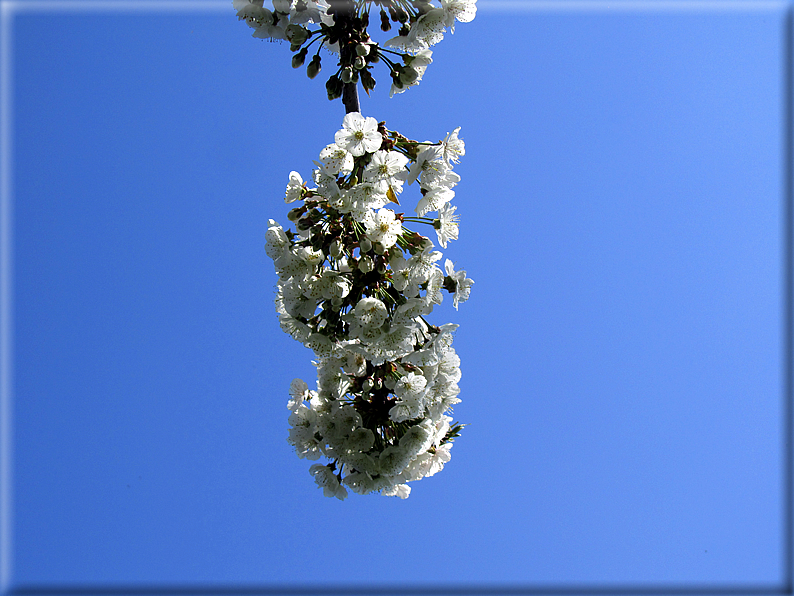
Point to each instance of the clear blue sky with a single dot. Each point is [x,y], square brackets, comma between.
[622,351]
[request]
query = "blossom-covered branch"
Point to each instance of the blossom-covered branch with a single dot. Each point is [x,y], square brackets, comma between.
[341,27]
[355,285]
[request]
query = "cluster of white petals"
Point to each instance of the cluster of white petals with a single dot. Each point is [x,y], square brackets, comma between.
[273,23]
[341,26]
[355,285]
[429,28]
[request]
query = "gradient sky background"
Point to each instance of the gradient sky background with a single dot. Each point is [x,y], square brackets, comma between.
[622,350]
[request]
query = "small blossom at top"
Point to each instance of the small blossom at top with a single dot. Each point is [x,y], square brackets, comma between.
[342,27]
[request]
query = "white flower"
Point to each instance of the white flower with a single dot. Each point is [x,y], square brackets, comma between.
[446,225]
[326,185]
[361,439]
[299,392]
[462,283]
[440,457]
[435,283]
[336,160]
[398,490]
[428,158]
[294,300]
[294,188]
[401,276]
[320,344]
[422,264]
[452,147]
[462,10]
[359,482]
[382,169]
[363,197]
[266,24]
[308,11]
[382,227]
[301,435]
[430,26]
[347,420]
[310,255]
[334,286]
[359,135]
[299,331]
[407,43]
[393,460]
[325,478]
[283,6]
[405,409]
[362,462]
[433,200]
[370,312]
[277,241]
[355,364]
[416,439]
[416,67]
[240,4]
[411,386]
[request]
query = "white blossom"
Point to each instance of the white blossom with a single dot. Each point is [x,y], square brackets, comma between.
[446,224]
[462,10]
[462,283]
[382,227]
[359,135]
[294,188]
[336,160]
[452,147]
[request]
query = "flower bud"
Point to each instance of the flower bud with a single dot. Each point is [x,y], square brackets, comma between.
[365,264]
[299,58]
[333,87]
[367,80]
[379,250]
[296,34]
[367,384]
[336,248]
[314,67]
[408,75]
[385,24]
[365,245]
[359,63]
[347,74]
[362,49]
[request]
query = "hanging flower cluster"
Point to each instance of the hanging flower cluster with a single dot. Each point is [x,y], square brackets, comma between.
[341,27]
[355,286]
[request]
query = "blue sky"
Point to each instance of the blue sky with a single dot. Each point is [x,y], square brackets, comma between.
[622,351]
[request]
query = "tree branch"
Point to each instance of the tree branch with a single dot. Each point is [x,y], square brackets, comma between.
[350,98]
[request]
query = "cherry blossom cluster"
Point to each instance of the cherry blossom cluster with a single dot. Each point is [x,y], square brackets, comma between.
[341,27]
[355,285]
